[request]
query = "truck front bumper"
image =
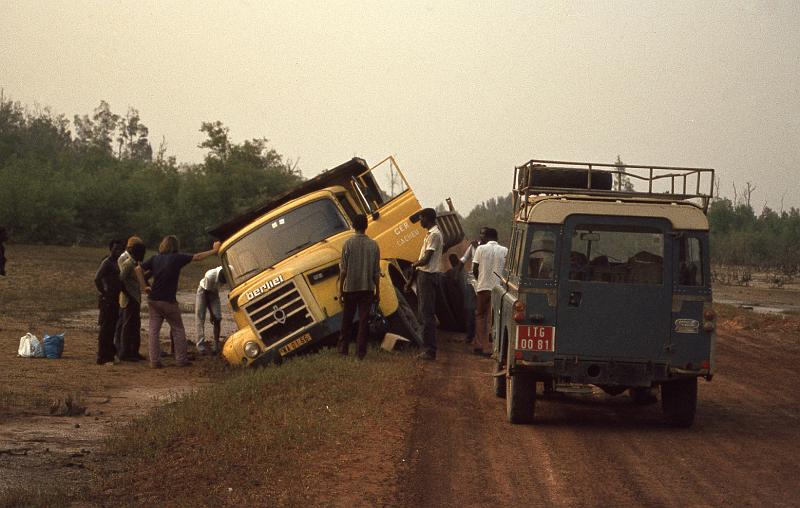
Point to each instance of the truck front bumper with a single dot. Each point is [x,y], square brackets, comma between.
[318,333]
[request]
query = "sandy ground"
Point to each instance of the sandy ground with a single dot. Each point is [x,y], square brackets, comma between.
[63,447]
[452,445]
[597,450]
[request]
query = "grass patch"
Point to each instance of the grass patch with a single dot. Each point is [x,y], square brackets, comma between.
[33,496]
[258,436]
[47,282]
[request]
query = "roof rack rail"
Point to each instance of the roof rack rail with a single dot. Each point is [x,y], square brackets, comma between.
[551,177]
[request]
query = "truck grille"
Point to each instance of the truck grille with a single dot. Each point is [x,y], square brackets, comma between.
[279,314]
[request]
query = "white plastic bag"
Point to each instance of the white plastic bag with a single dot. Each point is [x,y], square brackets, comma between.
[30,347]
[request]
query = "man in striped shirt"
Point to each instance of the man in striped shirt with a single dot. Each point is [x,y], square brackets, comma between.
[358,284]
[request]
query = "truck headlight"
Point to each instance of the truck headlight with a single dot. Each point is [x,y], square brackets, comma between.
[251,349]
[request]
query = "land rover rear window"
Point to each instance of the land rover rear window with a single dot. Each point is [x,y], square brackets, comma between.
[616,254]
[283,236]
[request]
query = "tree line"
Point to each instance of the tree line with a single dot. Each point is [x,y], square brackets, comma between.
[97,177]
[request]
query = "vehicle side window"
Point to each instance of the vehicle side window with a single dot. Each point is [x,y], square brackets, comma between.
[541,255]
[348,208]
[511,257]
[519,253]
[690,263]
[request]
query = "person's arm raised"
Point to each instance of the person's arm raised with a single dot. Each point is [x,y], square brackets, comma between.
[202,255]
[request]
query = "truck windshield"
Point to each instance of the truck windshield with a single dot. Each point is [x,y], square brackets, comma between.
[283,236]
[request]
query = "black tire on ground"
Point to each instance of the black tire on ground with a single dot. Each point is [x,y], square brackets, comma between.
[679,401]
[642,395]
[520,398]
[499,381]
[404,322]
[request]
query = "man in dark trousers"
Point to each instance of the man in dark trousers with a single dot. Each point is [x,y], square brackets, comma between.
[427,279]
[3,238]
[358,285]
[109,285]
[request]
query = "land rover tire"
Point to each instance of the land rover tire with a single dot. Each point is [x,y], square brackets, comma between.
[520,398]
[642,395]
[679,401]
[404,322]
[499,381]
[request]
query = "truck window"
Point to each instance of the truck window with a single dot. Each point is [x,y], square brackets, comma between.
[383,183]
[690,262]
[348,208]
[541,255]
[617,254]
[281,237]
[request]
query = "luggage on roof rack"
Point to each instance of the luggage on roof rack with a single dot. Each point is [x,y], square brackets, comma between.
[594,178]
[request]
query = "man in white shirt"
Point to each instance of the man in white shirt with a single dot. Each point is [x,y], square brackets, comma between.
[489,260]
[207,298]
[427,278]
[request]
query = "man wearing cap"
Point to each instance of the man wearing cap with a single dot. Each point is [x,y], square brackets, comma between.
[427,278]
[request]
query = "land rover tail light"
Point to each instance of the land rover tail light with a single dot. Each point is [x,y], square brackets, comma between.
[705,365]
[519,311]
[710,315]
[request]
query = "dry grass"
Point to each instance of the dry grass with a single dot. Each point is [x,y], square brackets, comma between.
[260,437]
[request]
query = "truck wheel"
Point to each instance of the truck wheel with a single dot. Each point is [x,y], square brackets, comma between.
[499,381]
[520,398]
[679,401]
[404,322]
[642,395]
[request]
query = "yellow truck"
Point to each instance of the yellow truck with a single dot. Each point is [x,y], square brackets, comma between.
[281,259]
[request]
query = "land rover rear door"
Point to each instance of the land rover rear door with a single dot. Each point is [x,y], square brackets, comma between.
[614,296]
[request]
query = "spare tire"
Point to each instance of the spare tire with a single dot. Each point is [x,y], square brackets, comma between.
[566,178]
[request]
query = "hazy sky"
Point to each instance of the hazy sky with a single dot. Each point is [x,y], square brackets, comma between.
[460,92]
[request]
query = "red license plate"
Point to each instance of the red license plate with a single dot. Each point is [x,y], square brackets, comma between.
[536,338]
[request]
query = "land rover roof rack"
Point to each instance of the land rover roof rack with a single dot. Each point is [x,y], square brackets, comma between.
[549,177]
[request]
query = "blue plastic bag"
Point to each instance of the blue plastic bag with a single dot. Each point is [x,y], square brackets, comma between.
[53,345]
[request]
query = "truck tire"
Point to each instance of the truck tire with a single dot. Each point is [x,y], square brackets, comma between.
[404,322]
[520,398]
[679,401]
[499,381]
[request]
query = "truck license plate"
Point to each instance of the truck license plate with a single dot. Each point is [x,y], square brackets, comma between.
[536,338]
[296,343]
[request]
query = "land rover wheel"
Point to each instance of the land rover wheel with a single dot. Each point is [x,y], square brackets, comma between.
[520,398]
[404,322]
[679,401]
[499,380]
[642,395]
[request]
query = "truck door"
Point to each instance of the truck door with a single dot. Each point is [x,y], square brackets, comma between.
[614,296]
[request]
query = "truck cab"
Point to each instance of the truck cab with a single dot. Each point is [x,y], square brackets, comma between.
[282,259]
[606,287]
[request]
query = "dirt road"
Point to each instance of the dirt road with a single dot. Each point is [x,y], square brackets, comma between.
[596,450]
